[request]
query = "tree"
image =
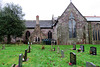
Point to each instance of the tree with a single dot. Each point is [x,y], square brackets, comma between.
[11,21]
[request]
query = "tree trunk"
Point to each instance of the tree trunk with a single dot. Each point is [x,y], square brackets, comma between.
[8,39]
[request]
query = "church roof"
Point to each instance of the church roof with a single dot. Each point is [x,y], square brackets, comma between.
[93,18]
[43,24]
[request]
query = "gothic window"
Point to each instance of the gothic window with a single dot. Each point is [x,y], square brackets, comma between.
[27,35]
[49,35]
[96,32]
[72,26]
[37,39]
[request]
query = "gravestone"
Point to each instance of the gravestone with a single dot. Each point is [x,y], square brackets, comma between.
[20,60]
[58,50]
[29,49]
[93,51]
[62,53]
[28,43]
[31,43]
[3,46]
[25,56]
[72,58]
[54,49]
[74,46]
[82,47]
[90,64]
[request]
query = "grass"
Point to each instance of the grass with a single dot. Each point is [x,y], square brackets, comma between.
[47,58]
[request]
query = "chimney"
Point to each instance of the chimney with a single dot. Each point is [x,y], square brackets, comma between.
[37,19]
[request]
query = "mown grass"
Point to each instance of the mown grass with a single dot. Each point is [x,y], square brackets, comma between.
[46,58]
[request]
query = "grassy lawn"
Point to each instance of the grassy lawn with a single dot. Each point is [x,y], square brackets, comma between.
[47,58]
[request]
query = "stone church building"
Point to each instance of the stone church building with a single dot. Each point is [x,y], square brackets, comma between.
[71,27]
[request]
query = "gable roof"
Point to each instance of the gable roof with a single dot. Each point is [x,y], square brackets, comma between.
[44,24]
[74,7]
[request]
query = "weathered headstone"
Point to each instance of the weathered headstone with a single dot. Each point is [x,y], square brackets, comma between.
[82,47]
[62,53]
[25,56]
[72,58]
[58,50]
[74,46]
[90,64]
[93,51]
[3,46]
[20,60]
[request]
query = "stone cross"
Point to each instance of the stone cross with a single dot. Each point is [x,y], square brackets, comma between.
[20,60]
[62,53]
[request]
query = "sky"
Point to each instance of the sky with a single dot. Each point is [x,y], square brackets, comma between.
[46,8]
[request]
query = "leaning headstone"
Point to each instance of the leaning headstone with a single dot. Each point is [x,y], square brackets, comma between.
[62,53]
[82,47]
[3,46]
[93,51]
[25,56]
[58,50]
[20,60]
[90,64]
[72,58]
[74,46]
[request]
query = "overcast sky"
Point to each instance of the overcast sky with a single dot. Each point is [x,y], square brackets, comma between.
[46,8]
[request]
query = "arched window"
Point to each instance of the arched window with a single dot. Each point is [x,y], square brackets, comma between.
[27,35]
[96,32]
[37,39]
[72,26]
[49,35]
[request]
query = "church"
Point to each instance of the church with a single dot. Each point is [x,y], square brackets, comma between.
[71,27]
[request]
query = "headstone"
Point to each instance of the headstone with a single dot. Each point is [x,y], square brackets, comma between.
[74,46]
[3,46]
[90,64]
[58,50]
[54,49]
[82,47]
[29,49]
[93,51]
[20,60]
[28,43]
[31,43]
[72,58]
[25,56]
[62,53]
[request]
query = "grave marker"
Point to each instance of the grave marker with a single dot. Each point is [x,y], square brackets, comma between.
[25,56]
[72,58]
[58,50]
[93,51]
[90,64]
[62,53]
[82,47]
[74,46]
[29,49]
[3,46]
[20,60]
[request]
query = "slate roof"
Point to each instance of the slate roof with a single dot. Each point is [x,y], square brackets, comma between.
[93,18]
[43,24]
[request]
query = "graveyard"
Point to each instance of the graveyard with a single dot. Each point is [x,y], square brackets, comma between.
[48,56]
